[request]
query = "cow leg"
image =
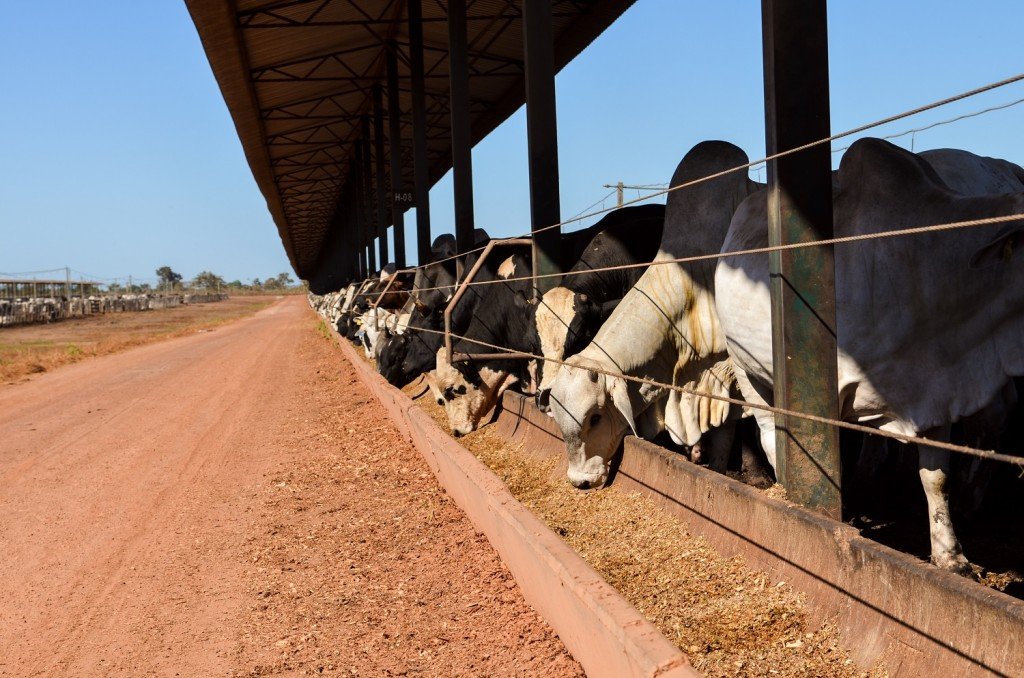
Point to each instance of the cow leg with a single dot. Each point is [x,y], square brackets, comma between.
[934,471]
[873,453]
[719,445]
[765,420]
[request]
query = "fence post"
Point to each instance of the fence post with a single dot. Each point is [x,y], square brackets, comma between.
[795,34]
[542,141]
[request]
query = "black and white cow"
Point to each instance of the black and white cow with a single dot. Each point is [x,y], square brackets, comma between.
[412,353]
[568,316]
[502,317]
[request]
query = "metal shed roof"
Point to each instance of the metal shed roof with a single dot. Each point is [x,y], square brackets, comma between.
[298,77]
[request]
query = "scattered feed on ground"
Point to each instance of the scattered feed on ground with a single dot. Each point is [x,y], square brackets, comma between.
[729,619]
[31,349]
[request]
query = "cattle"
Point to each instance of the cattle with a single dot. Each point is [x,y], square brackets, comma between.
[380,325]
[365,295]
[665,329]
[506,317]
[568,316]
[469,391]
[407,356]
[930,328]
[411,353]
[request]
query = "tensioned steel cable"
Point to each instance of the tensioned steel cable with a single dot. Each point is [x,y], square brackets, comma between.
[918,230]
[840,135]
[952,447]
[940,123]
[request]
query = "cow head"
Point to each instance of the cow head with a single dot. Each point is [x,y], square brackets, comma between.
[564,325]
[467,395]
[555,314]
[594,412]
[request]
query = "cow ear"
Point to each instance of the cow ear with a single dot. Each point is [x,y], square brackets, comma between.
[1000,250]
[619,391]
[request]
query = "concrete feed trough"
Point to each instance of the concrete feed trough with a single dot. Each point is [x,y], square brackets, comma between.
[888,605]
[606,634]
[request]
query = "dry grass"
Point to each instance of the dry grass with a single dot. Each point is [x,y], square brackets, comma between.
[729,619]
[32,349]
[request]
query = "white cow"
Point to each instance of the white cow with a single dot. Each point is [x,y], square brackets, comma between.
[665,329]
[930,328]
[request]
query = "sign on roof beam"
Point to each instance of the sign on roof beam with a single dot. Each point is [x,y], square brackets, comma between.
[542,140]
[795,34]
[378,155]
[421,163]
[462,143]
[399,199]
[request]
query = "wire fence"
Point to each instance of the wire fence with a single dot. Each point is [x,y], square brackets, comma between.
[775,156]
[881,235]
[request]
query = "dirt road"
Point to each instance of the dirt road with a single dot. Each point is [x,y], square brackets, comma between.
[233,503]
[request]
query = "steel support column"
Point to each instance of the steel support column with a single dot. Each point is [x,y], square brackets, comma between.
[542,140]
[367,174]
[378,155]
[795,35]
[356,225]
[398,201]
[361,209]
[462,141]
[421,166]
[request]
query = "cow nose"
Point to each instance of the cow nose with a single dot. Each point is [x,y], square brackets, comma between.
[457,433]
[544,399]
[583,485]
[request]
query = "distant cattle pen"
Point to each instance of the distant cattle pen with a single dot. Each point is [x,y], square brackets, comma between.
[24,302]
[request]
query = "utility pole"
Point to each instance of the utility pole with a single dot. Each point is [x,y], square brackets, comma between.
[620,190]
[67,283]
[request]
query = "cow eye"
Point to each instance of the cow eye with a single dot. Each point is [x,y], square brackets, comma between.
[594,419]
[440,401]
[460,390]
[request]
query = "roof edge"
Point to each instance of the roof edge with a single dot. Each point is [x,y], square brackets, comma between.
[215,22]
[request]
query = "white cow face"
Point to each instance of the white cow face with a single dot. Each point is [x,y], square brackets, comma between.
[468,403]
[554,315]
[593,411]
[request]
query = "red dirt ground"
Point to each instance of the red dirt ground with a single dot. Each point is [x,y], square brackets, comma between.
[234,503]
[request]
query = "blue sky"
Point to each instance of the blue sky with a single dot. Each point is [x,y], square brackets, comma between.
[119,155]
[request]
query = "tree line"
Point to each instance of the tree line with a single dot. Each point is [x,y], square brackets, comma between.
[169,280]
